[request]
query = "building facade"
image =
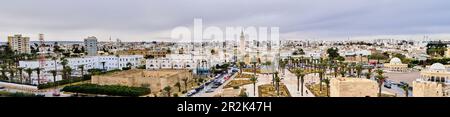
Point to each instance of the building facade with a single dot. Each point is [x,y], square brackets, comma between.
[91,45]
[396,65]
[90,62]
[19,43]
[433,82]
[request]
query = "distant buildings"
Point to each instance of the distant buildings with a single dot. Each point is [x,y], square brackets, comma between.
[91,45]
[19,44]
[90,62]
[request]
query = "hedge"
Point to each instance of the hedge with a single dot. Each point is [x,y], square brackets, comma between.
[65,81]
[18,94]
[114,90]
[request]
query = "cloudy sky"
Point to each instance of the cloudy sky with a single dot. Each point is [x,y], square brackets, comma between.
[147,20]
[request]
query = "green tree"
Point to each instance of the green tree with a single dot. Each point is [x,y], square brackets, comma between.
[3,71]
[20,69]
[11,74]
[179,86]
[168,90]
[300,73]
[333,53]
[321,75]
[29,72]
[81,67]
[359,69]
[185,81]
[277,86]
[38,72]
[405,88]
[380,79]
[254,80]
[327,82]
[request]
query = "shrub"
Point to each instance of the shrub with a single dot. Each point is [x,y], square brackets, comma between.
[63,82]
[18,94]
[114,90]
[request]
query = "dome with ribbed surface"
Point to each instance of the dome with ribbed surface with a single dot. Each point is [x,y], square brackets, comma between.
[437,66]
[395,61]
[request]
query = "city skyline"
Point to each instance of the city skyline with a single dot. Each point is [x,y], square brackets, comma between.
[142,20]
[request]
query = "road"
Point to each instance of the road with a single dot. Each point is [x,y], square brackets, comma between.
[202,93]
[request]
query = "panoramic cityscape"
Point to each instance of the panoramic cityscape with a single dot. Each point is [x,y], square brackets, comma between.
[253,49]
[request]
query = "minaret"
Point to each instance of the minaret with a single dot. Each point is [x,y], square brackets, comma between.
[242,43]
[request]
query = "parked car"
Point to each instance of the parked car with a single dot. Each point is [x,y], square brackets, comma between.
[215,86]
[56,94]
[388,85]
[190,93]
[210,90]
[403,83]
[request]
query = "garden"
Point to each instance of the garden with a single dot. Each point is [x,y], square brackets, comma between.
[113,90]
[269,90]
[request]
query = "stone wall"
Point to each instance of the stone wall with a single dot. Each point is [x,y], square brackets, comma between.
[427,89]
[156,79]
[353,87]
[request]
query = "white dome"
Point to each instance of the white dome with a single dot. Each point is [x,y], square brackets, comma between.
[395,61]
[437,66]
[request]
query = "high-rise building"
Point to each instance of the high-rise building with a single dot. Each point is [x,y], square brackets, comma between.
[91,45]
[19,44]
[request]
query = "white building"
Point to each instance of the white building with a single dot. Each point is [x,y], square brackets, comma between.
[90,62]
[184,61]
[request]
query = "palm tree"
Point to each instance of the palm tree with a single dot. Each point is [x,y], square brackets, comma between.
[321,74]
[241,65]
[335,67]
[327,82]
[54,73]
[29,72]
[274,76]
[167,89]
[368,75]
[20,69]
[54,60]
[254,67]
[254,80]
[282,65]
[3,71]
[11,74]
[300,73]
[380,79]
[38,71]
[405,88]
[103,65]
[179,86]
[68,72]
[81,67]
[358,70]
[277,80]
[64,63]
[185,83]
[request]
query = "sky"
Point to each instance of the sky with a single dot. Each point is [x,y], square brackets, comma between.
[148,20]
